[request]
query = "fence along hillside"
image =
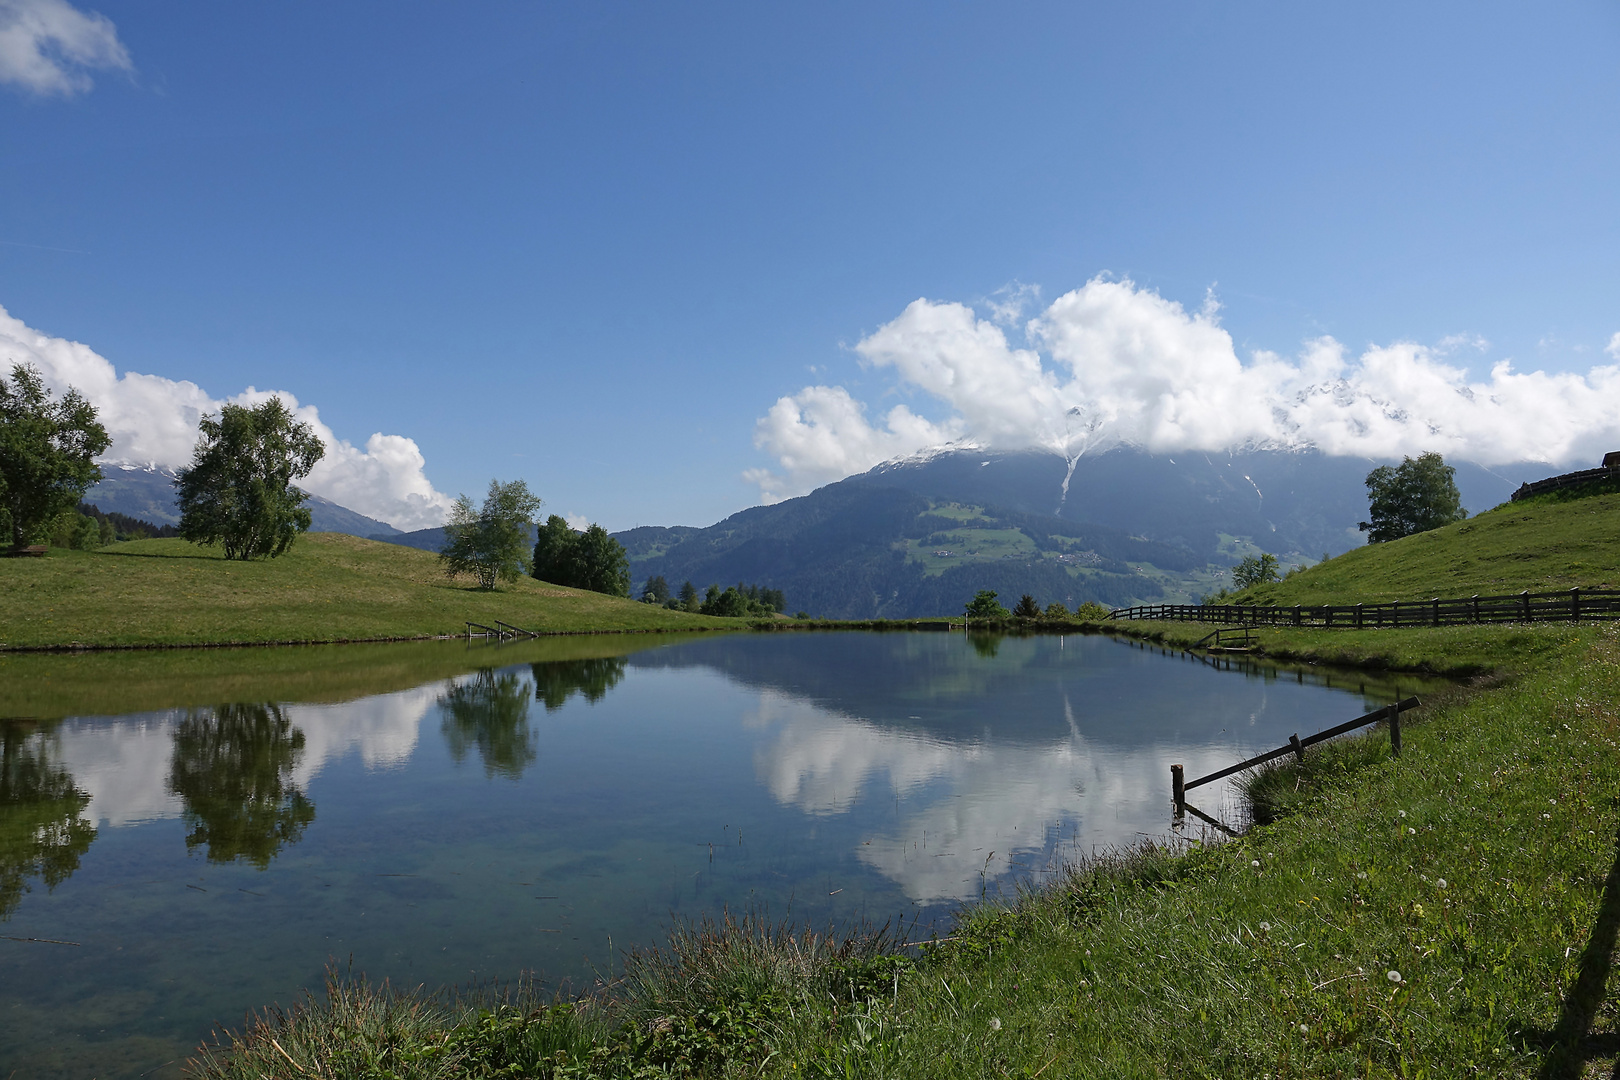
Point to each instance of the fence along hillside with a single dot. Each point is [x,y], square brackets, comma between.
[1571,606]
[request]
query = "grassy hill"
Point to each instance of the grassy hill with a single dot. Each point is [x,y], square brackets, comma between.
[329,587]
[1539,544]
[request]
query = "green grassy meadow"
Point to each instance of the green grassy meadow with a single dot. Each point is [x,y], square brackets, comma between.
[1449,913]
[328,587]
[1541,545]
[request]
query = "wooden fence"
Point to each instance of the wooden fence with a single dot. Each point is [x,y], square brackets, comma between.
[1572,606]
[1180,785]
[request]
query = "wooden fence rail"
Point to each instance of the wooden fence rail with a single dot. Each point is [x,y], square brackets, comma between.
[1180,785]
[1573,606]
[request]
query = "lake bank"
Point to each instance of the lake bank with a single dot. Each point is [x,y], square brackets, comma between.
[1442,913]
[329,587]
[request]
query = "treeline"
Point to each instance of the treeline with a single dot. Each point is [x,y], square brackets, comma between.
[581,560]
[736,601]
[87,528]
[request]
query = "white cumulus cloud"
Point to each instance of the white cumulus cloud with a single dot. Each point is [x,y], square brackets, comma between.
[49,46]
[1111,363]
[154,420]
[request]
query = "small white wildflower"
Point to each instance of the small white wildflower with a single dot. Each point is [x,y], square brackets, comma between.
[1361,876]
[1411,832]
[1441,883]
[1304,1030]
[1546,817]
[1266,927]
[995,1023]
[1255,863]
[1393,976]
[1402,813]
[1553,801]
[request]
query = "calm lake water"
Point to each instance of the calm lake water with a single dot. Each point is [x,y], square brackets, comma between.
[442,814]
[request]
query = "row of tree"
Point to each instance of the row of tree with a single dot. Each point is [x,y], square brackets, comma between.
[736,601]
[985,607]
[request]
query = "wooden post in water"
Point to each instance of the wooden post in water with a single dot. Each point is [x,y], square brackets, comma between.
[1178,789]
[1395,729]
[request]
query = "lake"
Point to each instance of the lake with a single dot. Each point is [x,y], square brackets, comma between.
[189,835]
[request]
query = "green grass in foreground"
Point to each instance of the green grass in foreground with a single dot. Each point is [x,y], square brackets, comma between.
[1540,545]
[1450,913]
[328,587]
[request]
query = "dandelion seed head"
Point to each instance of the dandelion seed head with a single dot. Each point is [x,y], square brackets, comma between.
[1441,883]
[1411,832]
[1304,1030]
[1361,875]
[1266,927]
[1254,863]
[995,1023]
[1393,976]
[1401,812]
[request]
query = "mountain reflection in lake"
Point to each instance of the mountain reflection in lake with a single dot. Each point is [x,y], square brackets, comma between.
[462,833]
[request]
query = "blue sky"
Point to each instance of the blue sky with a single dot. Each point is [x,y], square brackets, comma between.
[594,245]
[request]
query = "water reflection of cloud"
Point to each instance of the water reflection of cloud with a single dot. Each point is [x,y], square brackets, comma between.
[968,807]
[124,763]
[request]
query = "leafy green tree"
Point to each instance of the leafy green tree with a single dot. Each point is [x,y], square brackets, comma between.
[1255,570]
[656,591]
[1415,496]
[1091,611]
[689,598]
[984,606]
[238,490]
[1026,608]
[601,563]
[491,543]
[590,560]
[1055,610]
[233,770]
[47,453]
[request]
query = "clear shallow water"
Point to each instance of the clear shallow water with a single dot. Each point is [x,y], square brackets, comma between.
[535,814]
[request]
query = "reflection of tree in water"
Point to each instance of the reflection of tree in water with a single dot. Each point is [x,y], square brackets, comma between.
[986,645]
[233,769]
[42,834]
[556,681]
[491,712]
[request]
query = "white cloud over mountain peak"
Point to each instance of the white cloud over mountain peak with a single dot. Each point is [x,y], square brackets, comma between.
[1110,363]
[154,420]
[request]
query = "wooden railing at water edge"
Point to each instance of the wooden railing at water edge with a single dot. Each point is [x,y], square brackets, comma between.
[1572,606]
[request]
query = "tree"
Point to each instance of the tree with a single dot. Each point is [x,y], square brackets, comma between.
[689,598]
[984,606]
[601,563]
[47,452]
[1255,570]
[239,489]
[1412,497]
[590,560]
[1027,608]
[491,543]
[656,591]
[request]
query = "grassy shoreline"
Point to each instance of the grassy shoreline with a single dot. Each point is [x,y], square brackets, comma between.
[1482,868]
[328,588]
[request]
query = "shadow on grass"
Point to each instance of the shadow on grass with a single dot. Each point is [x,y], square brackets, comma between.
[1571,1043]
[161,555]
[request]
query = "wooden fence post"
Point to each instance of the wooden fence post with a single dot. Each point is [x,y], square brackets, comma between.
[1524,601]
[1299,751]
[1436,602]
[1178,789]
[1395,729]
[1476,607]
[1358,616]
[1575,604]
